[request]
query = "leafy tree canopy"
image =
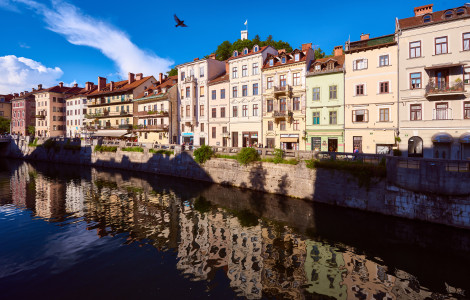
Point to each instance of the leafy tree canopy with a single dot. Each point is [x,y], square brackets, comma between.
[4,125]
[172,72]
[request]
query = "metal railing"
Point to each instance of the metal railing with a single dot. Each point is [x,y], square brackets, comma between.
[444,88]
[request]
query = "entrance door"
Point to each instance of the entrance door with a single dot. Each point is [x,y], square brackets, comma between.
[202,141]
[235,139]
[224,141]
[415,147]
[332,145]
[270,142]
[441,150]
[316,143]
[357,143]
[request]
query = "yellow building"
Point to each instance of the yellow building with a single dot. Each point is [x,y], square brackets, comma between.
[371,94]
[5,106]
[284,98]
[155,112]
[110,107]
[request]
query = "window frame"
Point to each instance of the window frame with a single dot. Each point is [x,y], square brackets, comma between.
[222,112]
[245,110]
[420,81]
[335,117]
[387,56]
[245,90]
[316,117]
[270,125]
[222,93]
[214,112]
[214,132]
[296,79]
[244,70]
[201,110]
[466,111]
[235,111]
[282,79]
[234,72]
[234,92]
[387,119]
[354,115]
[316,93]
[446,43]
[269,83]
[383,85]
[255,68]
[414,49]
[214,95]
[255,109]
[356,89]
[466,73]
[335,91]
[296,103]
[255,89]
[465,39]
[269,105]
[365,64]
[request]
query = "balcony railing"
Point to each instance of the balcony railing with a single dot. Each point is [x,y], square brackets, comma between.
[280,114]
[159,127]
[433,89]
[189,79]
[162,113]
[108,113]
[41,116]
[442,114]
[225,134]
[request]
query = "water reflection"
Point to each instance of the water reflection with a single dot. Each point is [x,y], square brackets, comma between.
[267,246]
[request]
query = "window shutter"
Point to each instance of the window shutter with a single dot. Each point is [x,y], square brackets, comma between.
[365,63]
[354,65]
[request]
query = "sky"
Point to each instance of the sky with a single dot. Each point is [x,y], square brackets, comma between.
[75,41]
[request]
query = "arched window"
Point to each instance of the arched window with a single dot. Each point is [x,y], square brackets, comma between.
[448,14]
[235,53]
[271,62]
[460,11]
[427,19]
[415,147]
[255,48]
[245,51]
[283,59]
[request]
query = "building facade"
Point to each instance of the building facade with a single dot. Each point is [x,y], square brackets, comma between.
[284,98]
[5,106]
[371,94]
[325,103]
[23,112]
[156,112]
[219,110]
[193,98]
[246,101]
[50,110]
[434,63]
[76,110]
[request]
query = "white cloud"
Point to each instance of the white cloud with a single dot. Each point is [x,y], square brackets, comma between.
[23,45]
[6,4]
[22,74]
[80,29]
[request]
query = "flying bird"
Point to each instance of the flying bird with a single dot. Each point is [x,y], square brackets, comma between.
[179,22]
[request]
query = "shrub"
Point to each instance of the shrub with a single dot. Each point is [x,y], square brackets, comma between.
[162,152]
[203,154]
[226,156]
[48,144]
[396,152]
[247,155]
[33,143]
[133,149]
[278,156]
[100,148]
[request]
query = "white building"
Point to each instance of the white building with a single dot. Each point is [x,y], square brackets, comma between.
[76,109]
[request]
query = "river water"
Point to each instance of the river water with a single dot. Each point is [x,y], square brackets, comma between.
[70,232]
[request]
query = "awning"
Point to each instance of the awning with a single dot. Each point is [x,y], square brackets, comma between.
[110,133]
[465,138]
[289,140]
[130,135]
[442,137]
[443,66]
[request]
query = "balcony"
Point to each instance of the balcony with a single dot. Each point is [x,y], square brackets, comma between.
[151,113]
[280,114]
[285,90]
[225,134]
[108,114]
[189,79]
[442,114]
[457,88]
[41,116]
[103,102]
[160,127]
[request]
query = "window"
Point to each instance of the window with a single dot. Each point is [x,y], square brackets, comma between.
[255,48]
[441,45]
[360,115]
[182,76]
[255,89]
[201,72]
[297,56]
[214,94]
[282,80]
[384,114]
[222,112]
[282,125]
[270,125]
[255,110]
[466,41]
[427,19]
[333,117]
[234,92]
[214,113]
[384,87]
[245,51]
[460,11]
[466,75]
[296,80]
[441,112]
[283,104]
[333,92]
[466,110]
[316,94]
[415,80]
[255,69]
[384,60]
[188,92]
[214,132]
[295,125]
[448,14]
[415,112]
[270,83]
[244,90]
[415,49]
[201,91]
[201,110]
[271,62]
[270,105]
[235,111]
[318,67]
[244,110]
[296,103]
[316,117]
[202,127]
[222,94]
[235,53]
[244,70]
[188,111]
[359,89]
[360,64]
[234,72]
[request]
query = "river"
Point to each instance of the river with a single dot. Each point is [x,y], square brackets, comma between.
[71,232]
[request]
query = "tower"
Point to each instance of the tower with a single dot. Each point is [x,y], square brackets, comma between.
[244,35]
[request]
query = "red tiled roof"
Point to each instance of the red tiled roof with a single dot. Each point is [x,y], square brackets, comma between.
[377,42]
[250,52]
[7,97]
[119,87]
[436,17]
[338,61]
[221,78]
[83,92]
[62,90]
[167,83]
[290,59]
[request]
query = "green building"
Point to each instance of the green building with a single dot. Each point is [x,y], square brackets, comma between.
[325,103]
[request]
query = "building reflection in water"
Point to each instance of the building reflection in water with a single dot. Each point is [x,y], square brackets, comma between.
[268,258]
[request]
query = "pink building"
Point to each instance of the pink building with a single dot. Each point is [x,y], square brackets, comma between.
[23,112]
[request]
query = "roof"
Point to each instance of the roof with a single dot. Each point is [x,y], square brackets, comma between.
[84,92]
[337,60]
[221,78]
[119,87]
[61,90]
[250,52]
[436,18]
[7,97]
[378,42]
[290,59]
[158,88]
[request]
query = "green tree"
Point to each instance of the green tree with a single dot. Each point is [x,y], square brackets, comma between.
[31,129]
[172,72]
[224,50]
[319,53]
[4,125]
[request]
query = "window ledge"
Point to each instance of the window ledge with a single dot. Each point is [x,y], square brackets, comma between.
[465,51]
[442,54]
[384,66]
[360,95]
[416,57]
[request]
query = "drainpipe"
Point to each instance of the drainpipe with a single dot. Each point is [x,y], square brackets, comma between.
[398,33]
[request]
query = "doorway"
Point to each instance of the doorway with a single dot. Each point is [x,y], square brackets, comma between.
[235,139]
[332,145]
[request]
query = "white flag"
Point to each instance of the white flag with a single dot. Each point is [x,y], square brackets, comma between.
[246,22]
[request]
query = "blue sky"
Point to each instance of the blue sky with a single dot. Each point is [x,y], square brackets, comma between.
[77,41]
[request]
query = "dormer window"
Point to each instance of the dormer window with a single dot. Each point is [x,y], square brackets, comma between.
[317,67]
[427,19]
[245,51]
[460,11]
[330,65]
[255,48]
[146,93]
[297,57]
[235,53]
[448,14]
[283,60]
[271,62]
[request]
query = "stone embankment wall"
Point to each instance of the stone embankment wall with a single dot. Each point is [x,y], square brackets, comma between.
[389,196]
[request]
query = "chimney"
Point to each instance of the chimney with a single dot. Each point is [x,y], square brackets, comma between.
[305,47]
[139,76]
[34,89]
[166,76]
[75,85]
[16,95]
[61,84]
[338,50]
[196,59]
[111,85]
[422,10]
[101,83]
[227,68]
[89,86]
[281,51]
[21,94]
[130,78]
[365,36]
[39,86]
[160,78]
[212,56]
